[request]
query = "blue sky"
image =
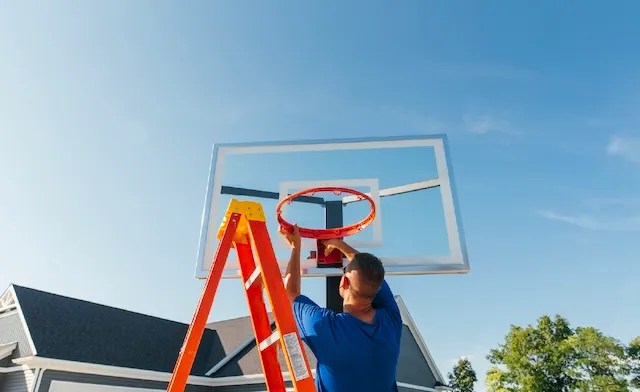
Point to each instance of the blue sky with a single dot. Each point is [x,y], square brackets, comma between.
[108,112]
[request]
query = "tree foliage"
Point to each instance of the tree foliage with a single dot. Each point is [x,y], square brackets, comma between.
[463,377]
[600,361]
[633,353]
[552,357]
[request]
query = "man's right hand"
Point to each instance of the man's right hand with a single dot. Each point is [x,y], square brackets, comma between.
[336,243]
[331,244]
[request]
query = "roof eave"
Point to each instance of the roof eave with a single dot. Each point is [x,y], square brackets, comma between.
[141,374]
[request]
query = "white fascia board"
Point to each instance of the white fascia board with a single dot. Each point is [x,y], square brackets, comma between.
[149,375]
[105,370]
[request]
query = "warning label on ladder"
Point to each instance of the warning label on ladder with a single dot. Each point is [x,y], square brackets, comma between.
[295,354]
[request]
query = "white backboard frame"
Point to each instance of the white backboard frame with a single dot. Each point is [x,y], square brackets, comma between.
[456,263]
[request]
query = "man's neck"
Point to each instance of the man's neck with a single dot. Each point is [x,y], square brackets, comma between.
[361,311]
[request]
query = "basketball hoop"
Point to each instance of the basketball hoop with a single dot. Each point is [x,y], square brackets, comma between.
[325,234]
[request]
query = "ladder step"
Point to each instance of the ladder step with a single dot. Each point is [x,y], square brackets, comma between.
[275,336]
[256,273]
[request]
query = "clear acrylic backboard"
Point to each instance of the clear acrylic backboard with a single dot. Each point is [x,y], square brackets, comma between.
[417,228]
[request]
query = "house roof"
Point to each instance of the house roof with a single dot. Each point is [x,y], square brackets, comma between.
[76,330]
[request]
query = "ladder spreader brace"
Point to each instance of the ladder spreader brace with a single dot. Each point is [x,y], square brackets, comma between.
[244,228]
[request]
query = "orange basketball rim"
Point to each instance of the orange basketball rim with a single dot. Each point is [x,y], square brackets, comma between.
[325,234]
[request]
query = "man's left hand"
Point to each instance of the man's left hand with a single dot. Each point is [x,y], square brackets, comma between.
[292,238]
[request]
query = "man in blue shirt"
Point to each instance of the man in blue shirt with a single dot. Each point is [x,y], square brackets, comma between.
[356,350]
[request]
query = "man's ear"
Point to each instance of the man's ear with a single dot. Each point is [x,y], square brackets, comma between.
[344,282]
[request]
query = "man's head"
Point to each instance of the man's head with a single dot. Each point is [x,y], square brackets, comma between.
[362,278]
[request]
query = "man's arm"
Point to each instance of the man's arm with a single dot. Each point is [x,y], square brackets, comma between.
[292,276]
[342,246]
[311,320]
[292,280]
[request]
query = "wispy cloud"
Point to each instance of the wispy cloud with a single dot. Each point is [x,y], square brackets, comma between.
[625,147]
[485,124]
[583,221]
[601,214]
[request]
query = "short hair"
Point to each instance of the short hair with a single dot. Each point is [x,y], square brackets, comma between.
[370,274]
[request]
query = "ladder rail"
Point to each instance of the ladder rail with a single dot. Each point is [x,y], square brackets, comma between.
[260,319]
[294,353]
[192,340]
[244,228]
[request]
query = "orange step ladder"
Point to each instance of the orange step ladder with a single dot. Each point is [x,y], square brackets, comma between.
[244,228]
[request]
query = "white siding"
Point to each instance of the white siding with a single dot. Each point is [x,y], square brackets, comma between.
[20,381]
[12,330]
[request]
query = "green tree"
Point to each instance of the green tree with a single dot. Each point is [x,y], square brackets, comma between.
[633,354]
[600,361]
[552,357]
[463,376]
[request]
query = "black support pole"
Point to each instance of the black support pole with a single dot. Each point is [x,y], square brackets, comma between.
[334,218]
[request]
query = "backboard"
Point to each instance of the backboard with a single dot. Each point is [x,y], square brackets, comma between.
[417,228]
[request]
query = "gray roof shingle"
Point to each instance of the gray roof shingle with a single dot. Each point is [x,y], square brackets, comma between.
[76,330]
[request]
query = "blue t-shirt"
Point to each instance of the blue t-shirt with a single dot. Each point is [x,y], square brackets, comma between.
[352,355]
